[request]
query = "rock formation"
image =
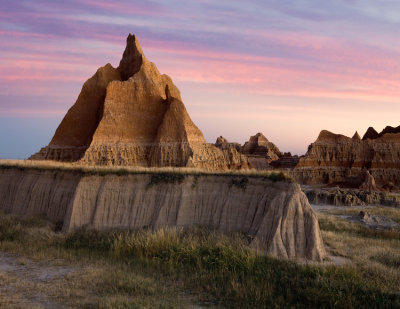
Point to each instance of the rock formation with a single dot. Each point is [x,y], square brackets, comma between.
[133,115]
[276,216]
[223,143]
[260,152]
[368,183]
[370,134]
[373,134]
[356,136]
[337,159]
[349,197]
[285,161]
[258,145]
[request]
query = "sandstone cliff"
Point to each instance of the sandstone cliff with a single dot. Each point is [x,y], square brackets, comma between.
[276,216]
[335,158]
[133,115]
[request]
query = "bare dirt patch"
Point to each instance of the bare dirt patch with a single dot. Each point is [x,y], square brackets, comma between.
[25,283]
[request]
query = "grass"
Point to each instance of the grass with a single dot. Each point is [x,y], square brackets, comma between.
[375,253]
[173,268]
[127,170]
[342,226]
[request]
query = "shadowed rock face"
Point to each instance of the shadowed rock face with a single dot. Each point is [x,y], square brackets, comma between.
[335,158]
[370,134]
[373,134]
[133,115]
[276,216]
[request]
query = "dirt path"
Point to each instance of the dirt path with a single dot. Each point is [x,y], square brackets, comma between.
[25,283]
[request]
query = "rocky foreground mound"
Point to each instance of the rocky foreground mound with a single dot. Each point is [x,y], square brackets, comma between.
[133,115]
[276,216]
[337,159]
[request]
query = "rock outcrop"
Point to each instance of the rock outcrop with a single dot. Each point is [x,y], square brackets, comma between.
[259,145]
[223,144]
[337,159]
[285,161]
[373,134]
[356,136]
[276,216]
[349,197]
[260,152]
[133,115]
[370,134]
[368,183]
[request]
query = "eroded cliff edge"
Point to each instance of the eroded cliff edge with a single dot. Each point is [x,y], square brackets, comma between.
[276,216]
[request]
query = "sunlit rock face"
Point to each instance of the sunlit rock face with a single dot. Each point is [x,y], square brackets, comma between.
[133,115]
[335,158]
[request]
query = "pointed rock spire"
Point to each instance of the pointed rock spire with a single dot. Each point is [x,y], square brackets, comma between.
[132,58]
[356,136]
[371,134]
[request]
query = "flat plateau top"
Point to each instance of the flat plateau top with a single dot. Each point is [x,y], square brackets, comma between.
[124,170]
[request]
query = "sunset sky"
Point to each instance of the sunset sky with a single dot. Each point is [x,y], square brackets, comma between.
[285,68]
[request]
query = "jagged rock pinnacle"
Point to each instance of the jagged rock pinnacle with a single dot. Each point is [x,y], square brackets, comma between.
[356,136]
[132,58]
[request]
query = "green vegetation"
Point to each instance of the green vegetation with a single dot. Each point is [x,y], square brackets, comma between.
[239,182]
[278,176]
[149,269]
[165,178]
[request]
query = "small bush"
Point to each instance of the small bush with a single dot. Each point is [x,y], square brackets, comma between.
[240,183]
[165,178]
[278,176]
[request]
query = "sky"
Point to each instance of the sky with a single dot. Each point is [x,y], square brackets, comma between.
[286,68]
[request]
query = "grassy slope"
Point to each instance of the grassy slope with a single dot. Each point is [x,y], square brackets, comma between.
[172,268]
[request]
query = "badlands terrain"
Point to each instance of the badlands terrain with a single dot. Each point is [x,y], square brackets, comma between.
[128,206]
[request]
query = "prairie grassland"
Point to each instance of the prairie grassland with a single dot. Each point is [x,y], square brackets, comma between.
[375,252]
[173,268]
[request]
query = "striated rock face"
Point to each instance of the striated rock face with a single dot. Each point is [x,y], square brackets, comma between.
[275,216]
[223,143]
[74,135]
[369,182]
[286,161]
[258,145]
[133,115]
[337,159]
[349,197]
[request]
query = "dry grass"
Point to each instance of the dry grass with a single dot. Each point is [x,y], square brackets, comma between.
[171,269]
[121,170]
[376,253]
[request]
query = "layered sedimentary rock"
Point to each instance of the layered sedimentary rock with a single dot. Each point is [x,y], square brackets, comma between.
[260,152]
[276,216]
[285,161]
[349,197]
[133,115]
[337,159]
[259,145]
[223,143]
